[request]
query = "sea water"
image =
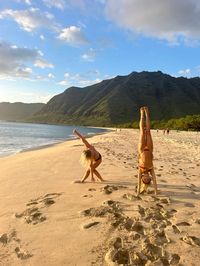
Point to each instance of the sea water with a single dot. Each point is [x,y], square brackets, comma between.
[17,137]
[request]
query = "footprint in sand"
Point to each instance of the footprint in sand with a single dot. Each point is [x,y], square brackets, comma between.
[131,197]
[197,221]
[190,205]
[97,212]
[89,225]
[176,229]
[108,189]
[12,239]
[22,254]
[117,255]
[87,196]
[33,214]
[191,240]
[183,224]
[4,239]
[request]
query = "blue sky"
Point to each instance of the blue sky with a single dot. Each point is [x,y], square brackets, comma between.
[47,46]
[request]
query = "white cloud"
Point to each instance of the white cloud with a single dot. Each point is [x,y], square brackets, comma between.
[14,61]
[24,72]
[60,4]
[28,2]
[42,37]
[172,20]
[198,70]
[80,80]
[64,83]
[89,56]
[41,63]
[184,72]
[51,76]
[84,83]
[73,36]
[30,19]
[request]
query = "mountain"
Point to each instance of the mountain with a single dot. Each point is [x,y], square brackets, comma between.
[18,111]
[117,101]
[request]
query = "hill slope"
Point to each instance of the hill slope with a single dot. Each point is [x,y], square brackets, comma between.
[18,111]
[117,101]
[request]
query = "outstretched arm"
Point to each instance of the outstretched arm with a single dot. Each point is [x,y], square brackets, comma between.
[139,182]
[87,144]
[154,181]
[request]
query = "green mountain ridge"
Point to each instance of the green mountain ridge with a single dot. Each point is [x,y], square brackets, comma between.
[18,111]
[117,101]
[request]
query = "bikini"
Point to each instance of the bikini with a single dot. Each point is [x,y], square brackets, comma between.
[98,157]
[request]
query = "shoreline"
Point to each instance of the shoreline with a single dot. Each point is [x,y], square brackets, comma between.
[53,143]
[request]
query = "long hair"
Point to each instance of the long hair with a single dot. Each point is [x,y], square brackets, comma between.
[85,159]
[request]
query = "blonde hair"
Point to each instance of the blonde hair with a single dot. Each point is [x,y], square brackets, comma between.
[85,158]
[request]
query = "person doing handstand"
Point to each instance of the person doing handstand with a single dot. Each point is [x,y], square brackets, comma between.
[145,148]
[90,158]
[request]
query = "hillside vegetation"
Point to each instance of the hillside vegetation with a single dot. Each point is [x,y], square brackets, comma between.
[117,101]
[18,111]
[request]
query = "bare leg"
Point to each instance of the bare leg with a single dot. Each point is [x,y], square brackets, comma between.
[87,173]
[95,165]
[149,142]
[139,183]
[98,175]
[154,181]
[141,144]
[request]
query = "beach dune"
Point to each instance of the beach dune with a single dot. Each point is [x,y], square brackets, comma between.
[47,219]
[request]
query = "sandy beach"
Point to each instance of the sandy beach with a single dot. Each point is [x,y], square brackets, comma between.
[48,220]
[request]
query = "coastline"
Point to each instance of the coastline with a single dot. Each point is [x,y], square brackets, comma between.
[49,143]
[48,220]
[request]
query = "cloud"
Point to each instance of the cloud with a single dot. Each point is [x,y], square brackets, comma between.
[51,76]
[27,2]
[73,36]
[24,72]
[89,56]
[41,63]
[60,4]
[80,80]
[184,72]
[63,4]
[14,60]
[42,37]
[172,20]
[30,19]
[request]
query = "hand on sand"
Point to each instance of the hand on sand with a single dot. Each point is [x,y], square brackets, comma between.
[77,181]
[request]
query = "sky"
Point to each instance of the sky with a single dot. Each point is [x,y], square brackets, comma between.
[47,46]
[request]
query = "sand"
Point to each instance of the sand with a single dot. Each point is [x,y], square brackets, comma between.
[47,219]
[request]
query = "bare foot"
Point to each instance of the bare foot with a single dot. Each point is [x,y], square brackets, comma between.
[141,109]
[146,109]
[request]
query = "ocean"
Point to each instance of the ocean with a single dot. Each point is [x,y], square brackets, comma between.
[17,137]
